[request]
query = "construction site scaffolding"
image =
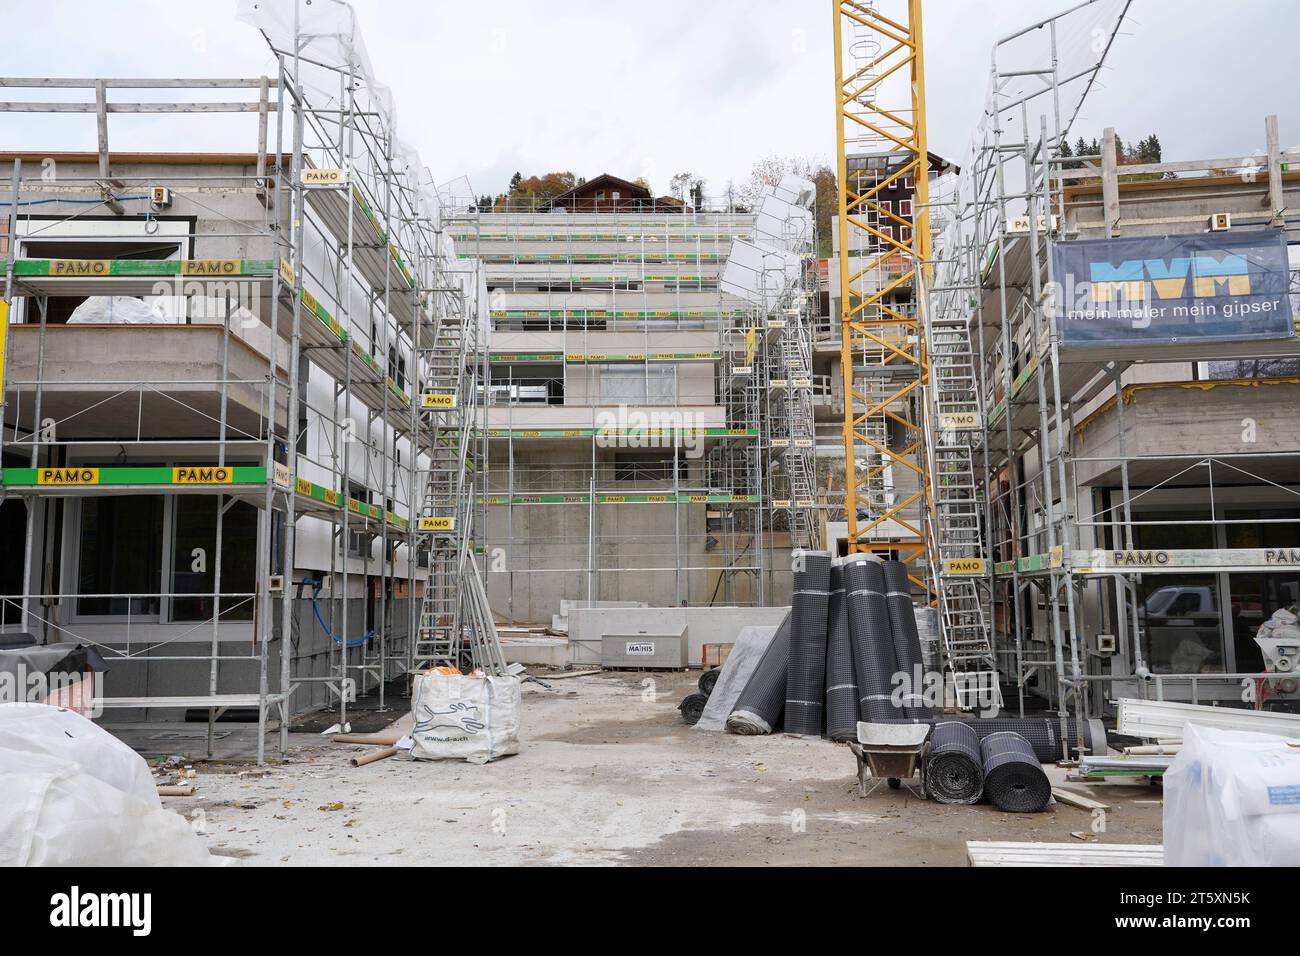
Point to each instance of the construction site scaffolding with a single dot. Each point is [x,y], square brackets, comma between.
[361,286]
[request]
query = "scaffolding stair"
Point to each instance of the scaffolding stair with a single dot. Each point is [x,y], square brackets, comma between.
[455,627]
[956,540]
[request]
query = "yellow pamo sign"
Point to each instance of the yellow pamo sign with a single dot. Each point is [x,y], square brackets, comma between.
[212,267]
[436,400]
[322,177]
[80,267]
[959,420]
[963,566]
[202,475]
[67,476]
[437,524]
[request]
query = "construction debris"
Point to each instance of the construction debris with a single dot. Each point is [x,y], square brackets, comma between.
[1164,719]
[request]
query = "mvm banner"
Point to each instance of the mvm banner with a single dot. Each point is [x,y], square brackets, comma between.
[1208,286]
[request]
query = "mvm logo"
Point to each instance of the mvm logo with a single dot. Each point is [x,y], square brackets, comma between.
[1131,279]
[202,475]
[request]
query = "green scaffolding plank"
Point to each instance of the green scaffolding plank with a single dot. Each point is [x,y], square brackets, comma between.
[1024,378]
[627,257]
[597,236]
[627,499]
[580,358]
[619,432]
[180,476]
[616,313]
[137,268]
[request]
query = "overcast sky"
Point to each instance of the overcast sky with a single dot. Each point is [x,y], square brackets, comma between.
[485,89]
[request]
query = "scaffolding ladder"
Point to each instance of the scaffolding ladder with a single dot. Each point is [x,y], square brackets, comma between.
[455,625]
[957,552]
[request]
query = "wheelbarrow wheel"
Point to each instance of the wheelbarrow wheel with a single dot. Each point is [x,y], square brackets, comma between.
[894,783]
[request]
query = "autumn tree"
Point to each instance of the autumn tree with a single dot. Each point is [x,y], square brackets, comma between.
[536,191]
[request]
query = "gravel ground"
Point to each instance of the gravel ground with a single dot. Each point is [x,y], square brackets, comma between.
[609,774]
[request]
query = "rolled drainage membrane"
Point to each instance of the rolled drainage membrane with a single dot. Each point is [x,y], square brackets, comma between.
[805,695]
[906,639]
[954,769]
[842,708]
[692,706]
[873,644]
[1044,734]
[1013,778]
[760,705]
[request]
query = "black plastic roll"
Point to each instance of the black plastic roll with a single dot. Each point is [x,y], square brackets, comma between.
[842,707]
[954,769]
[873,644]
[760,705]
[692,706]
[1013,778]
[1044,734]
[708,680]
[907,641]
[805,688]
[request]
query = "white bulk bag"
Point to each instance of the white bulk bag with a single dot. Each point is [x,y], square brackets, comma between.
[1232,798]
[71,794]
[464,718]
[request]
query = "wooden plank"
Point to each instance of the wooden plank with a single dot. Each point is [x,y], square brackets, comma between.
[1077,799]
[1110,181]
[996,853]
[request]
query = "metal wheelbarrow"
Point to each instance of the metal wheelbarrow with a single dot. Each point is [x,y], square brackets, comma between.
[890,752]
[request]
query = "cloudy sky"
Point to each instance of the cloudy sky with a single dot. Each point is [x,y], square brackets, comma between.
[485,89]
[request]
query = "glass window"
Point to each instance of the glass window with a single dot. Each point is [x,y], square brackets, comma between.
[120,554]
[1179,613]
[1181,626]
[638,384]
[194,531]
[1255,597]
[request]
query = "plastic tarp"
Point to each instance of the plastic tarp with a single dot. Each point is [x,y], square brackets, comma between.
[1232,798]
[457,717]
[72,794]
[737,669]
[116,310]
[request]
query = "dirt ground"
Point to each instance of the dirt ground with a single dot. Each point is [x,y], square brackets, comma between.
[610,774]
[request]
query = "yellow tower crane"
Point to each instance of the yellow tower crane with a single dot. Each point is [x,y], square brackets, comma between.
[883,253]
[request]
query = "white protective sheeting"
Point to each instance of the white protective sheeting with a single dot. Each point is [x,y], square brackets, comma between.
[117,310]
[1233,799]
[465,718]
[71,794]
[737,669]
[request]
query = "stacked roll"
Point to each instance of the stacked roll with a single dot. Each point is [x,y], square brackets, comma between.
[954,769]
[842,709]
[760,705]
[873,644]
[906,639]
[1013,778]
[806,672]
[1044,734]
